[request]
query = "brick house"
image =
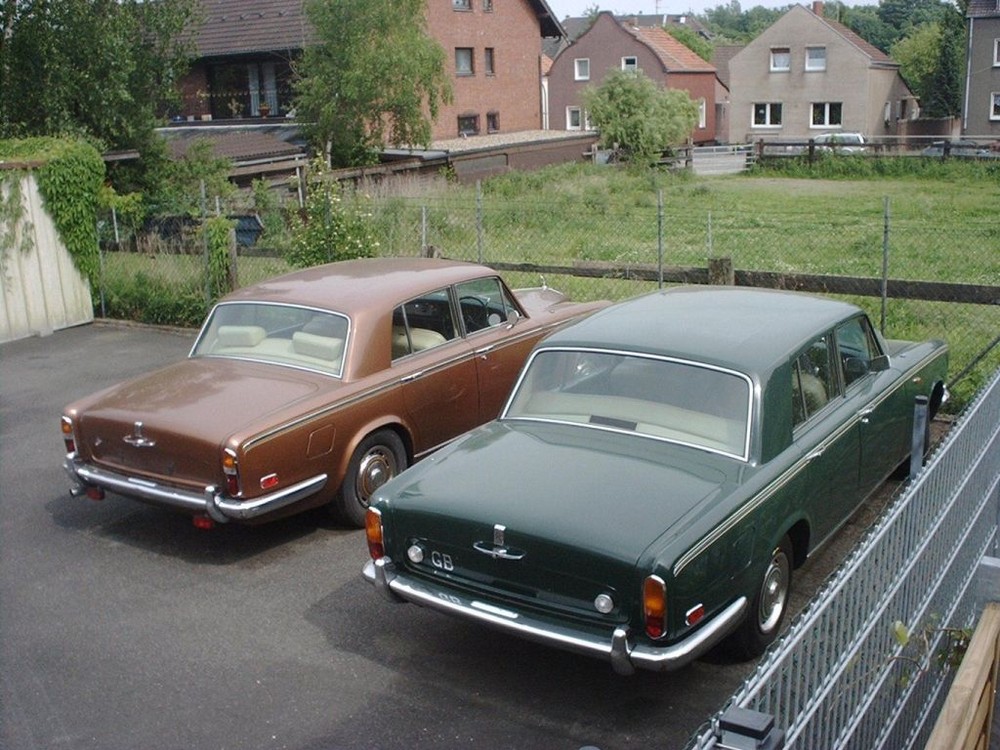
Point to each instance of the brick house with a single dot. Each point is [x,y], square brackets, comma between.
[245,50]
[981,109]
[613,44]
[806,74]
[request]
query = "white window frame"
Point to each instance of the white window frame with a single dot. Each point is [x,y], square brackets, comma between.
[461,4]
[490,61]
[996,53]
[630,66]
[702,113]
[995,105]
[581,69]
[570,111]
[813,64]
[768,124]
[827,123]
[774,58]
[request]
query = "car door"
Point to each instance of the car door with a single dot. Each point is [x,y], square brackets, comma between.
[500,336]
[437,371]
[882,417]
[825,430]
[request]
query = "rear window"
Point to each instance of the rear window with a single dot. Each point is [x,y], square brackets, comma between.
[655,397]
[281,334]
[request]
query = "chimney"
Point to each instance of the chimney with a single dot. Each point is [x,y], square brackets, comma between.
[818,7]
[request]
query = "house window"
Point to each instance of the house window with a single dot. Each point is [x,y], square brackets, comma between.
[781,59]
[468,124]
[461,4]
[488,61]
[815,58]
[487,6]
[630,63]
[581,69]
[826,114]
[996,52]
[887,112]
[767,115]
[464,61]
[492,122]
[995,105]
[702,113]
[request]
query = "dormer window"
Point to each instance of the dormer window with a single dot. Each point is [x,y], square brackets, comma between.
[781,59]
[815,58]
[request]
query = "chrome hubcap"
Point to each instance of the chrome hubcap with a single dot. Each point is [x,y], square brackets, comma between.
[377,467]
[773,593]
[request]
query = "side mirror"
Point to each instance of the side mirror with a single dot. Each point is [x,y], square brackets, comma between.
[879,363]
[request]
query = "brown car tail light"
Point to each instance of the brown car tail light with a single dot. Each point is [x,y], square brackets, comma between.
[69,438]
[231,468]
[203,522]
[373,533]
[654,606]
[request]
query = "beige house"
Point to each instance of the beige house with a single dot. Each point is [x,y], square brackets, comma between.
[806,75]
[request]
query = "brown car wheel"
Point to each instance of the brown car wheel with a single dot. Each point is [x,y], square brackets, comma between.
[379,457]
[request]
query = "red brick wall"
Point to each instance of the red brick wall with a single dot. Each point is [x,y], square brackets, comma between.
[514,90]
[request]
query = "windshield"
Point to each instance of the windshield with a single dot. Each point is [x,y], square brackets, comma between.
[656,397]
[284,334]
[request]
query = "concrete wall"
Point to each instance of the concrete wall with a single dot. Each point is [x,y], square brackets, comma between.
[42,290]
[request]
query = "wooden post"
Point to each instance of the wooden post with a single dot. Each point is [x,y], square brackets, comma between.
[720,272]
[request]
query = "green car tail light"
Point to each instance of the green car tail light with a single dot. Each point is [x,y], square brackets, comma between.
[373,533]
[654,606]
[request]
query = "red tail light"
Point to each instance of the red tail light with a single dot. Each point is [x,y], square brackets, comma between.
[373,532]
[654,606]
[203,522]
[231,468]
[69,439]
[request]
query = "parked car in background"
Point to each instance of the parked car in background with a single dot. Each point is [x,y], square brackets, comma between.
[841,143]
[311,388]
[660,469]
[960,149]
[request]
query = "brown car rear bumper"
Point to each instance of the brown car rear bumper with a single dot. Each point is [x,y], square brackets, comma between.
[617,647]
[209,501]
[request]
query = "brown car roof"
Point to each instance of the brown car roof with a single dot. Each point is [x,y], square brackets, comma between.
[356,286]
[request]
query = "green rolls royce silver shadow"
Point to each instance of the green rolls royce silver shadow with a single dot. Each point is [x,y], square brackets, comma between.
[313,388]
[659,470]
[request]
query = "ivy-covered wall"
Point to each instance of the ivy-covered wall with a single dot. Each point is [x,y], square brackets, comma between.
[69,178]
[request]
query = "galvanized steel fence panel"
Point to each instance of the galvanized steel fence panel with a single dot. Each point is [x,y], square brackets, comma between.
[839,678]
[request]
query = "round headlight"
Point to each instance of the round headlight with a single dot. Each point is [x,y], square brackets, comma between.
[415,553]
[604,603]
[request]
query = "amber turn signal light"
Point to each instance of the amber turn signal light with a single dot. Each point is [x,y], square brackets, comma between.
[654,606]
[373,533]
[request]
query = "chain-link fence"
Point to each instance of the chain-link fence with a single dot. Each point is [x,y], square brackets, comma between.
[917,279]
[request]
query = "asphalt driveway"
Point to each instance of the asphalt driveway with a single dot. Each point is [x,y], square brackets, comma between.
[123,626]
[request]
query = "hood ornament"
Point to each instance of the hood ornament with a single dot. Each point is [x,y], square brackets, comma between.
[137,439]
[498,550]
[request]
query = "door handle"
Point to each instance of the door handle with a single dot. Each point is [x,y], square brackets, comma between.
[815,454]
[411,376]
[485,350]
[865,413]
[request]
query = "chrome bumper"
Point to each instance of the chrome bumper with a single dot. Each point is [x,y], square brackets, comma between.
[210,501]
[625,655]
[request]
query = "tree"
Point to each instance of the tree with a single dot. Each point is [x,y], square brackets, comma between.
[945,96]
[692,40]
[103,69]
[374,77]
[640,118]
[918,55]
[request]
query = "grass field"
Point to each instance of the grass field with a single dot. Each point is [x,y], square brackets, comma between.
[939,226]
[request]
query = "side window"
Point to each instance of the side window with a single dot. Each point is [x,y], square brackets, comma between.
[422,323]
[813,380]
[484,303]
[856,347]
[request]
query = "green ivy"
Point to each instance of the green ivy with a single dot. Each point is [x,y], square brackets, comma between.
[69,181]
[218,233]
[11,214]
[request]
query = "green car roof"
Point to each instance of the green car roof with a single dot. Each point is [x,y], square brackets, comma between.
[749,330]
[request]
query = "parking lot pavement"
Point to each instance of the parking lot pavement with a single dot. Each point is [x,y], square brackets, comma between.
[123,626]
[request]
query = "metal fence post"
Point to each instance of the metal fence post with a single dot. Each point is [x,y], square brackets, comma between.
[204,244]
[885,260]
[659,238]
[423,230]
[918,442]
[479,220]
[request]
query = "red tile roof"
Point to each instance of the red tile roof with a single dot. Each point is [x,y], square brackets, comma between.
[676,57]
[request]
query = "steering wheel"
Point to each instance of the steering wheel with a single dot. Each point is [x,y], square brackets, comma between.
[474,317]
